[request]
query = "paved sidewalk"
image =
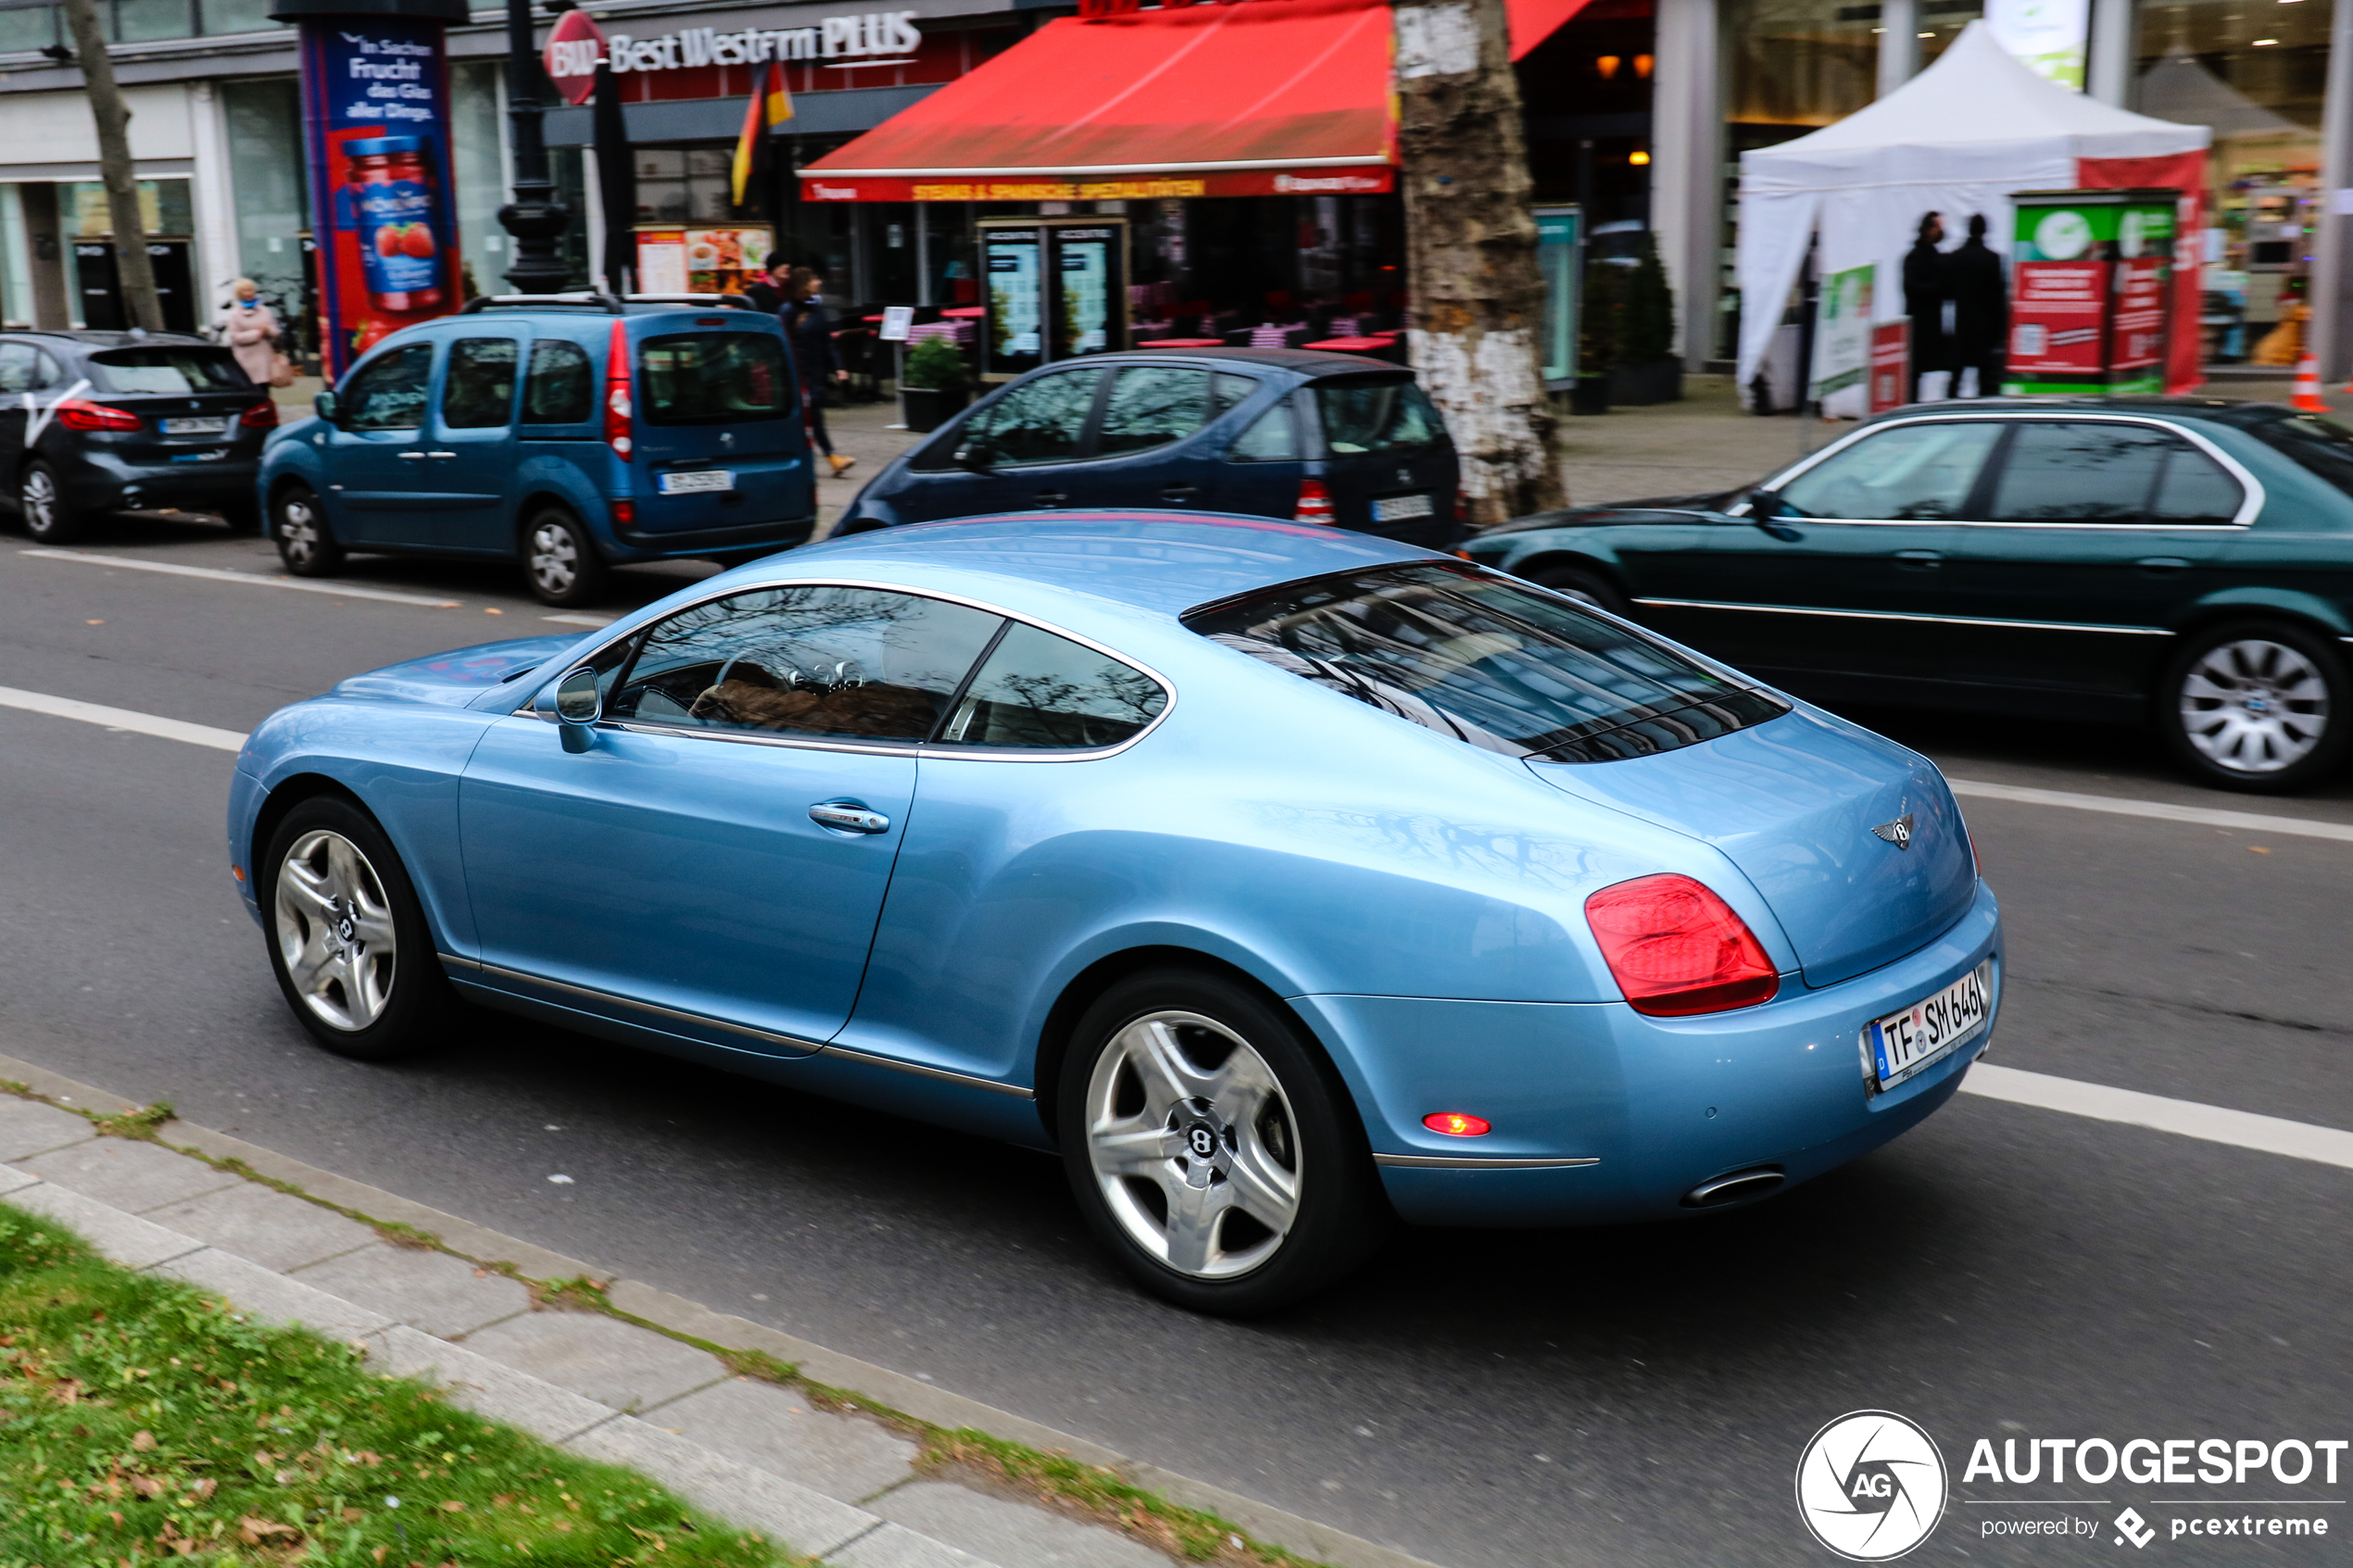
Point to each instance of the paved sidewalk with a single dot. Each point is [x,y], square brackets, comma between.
[838,1485]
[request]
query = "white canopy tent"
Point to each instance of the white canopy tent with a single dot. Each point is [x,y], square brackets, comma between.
[1958,139]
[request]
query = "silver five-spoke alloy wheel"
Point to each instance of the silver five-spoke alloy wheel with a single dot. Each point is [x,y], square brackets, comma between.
[555,559]
[41,502]
[2254,706]
[298,531]
[335,931]
[1193,1144]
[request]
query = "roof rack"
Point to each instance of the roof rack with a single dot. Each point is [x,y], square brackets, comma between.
[598,299]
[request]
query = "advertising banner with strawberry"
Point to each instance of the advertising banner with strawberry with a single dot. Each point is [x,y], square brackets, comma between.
[375,101]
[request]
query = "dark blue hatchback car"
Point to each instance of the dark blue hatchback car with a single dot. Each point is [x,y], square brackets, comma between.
[569,432]
[1327,438]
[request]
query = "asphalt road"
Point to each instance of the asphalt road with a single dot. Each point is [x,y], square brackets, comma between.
[1484,1399]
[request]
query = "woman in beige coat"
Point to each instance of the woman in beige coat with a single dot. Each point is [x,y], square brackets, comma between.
[250,330]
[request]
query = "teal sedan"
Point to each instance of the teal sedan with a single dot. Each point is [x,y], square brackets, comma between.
[2186,562]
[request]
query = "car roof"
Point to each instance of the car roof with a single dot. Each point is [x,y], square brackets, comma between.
[2220,409]
[1299,362]
[1161,562]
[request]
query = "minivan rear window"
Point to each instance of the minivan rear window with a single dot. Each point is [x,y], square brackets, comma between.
[713,378]
[1496,664]
[166,367]
[1376,414]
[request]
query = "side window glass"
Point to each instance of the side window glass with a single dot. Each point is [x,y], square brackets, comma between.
[20,368]
[1230,392]
[389,392]
[559,389]
[44,370]
[2078,472]
[1152,406]
[2194,489]
[1044,693]
[1270,438]
[806,662]
[1912,473]
[479,391]
[1042,422]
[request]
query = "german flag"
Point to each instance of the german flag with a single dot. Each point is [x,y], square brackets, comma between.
[771,106]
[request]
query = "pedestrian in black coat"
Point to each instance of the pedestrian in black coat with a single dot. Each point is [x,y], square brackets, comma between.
[1926,289]
[816,361]
[1981,309]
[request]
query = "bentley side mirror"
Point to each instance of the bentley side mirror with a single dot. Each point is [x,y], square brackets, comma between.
[323,405]
[578,707]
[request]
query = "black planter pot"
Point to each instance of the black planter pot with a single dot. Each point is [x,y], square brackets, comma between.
[928,408]
[1589,394]
[1660,381]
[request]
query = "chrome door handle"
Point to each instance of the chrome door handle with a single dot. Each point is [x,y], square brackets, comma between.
[414,457]
[1053,497]
[848,816]
[1919,561]
[2162,564]
[1178,493]
[441,454]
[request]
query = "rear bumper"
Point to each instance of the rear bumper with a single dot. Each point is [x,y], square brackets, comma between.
[1614,1116]
[96,480]
[752,539]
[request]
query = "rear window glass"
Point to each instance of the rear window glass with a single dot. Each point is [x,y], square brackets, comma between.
[713,378]
[2321,447]
[166,368]
[1495,664]
[1376,414]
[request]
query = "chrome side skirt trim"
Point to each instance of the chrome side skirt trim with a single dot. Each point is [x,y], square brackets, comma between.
[1448,1162]
[867,1059]
[1901,615]
[813,1048]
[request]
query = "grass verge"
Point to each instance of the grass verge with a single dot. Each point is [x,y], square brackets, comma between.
[143,1421]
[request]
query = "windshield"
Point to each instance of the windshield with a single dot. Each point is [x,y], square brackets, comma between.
[713,378]
[167,368]
[1376,414]
[1496,664]
[2321,447]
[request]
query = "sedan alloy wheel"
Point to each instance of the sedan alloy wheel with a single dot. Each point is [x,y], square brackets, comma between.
[2257,706]
[335,931]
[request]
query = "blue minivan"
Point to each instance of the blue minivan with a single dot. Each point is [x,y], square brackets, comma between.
[572,432]
[1292,434]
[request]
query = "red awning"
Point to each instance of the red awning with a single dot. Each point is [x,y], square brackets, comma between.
[1260,98]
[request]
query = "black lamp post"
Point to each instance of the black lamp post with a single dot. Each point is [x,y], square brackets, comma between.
[536,218]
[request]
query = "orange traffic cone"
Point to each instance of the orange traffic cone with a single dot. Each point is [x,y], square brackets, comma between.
[2307,384]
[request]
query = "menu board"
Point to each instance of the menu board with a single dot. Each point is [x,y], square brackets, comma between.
[1086,282]
[679,260]
[1017,338]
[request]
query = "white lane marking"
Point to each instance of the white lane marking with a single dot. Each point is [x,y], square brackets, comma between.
[2244,1129]
[580,620]
[2250,821]
[341,591]
[123,719]
[37,418]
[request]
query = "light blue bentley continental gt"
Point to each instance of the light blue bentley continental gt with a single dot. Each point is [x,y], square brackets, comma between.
[1286,881]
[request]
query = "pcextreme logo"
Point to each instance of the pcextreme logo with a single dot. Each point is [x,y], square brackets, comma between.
[1870,1485]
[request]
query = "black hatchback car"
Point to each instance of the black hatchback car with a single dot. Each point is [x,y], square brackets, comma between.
[1326,438]
[2187,561]
[92,422]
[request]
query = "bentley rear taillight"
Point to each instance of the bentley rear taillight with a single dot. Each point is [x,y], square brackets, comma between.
[1676,948]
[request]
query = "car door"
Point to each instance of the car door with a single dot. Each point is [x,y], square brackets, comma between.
[1030,445]
[1140,457]
[19,375]
[1265,461]
[2095,533]
[378,492]
[1839,581]
[712,863]
[469,451]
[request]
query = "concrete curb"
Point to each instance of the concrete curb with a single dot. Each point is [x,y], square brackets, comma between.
[535,1404]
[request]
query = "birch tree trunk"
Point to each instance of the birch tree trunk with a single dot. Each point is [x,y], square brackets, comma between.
[1471,247]
[134,272]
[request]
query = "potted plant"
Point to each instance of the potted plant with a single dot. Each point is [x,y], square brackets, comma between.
[931,383]
[1647,369]
[1600,336]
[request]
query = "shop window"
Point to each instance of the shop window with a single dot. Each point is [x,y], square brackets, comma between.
[24,29]
[145,21]
[263,120]
[238,16]
[1799,63]
[2254,75]
[163,208]
[684,185]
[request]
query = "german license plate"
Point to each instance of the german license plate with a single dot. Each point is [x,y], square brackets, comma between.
[1904,1043]
[192,426]
[691,482]
[1397,509]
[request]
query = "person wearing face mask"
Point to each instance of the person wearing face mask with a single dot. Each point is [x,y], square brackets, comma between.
[250,330]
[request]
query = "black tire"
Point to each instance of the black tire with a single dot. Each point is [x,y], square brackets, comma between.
[1296,1150]
[560,560]
[331,907]
[1584,585]
[2259,706]
[41,501]
[305,541]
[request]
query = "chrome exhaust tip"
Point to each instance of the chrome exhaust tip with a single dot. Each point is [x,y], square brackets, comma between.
[1737,1187]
